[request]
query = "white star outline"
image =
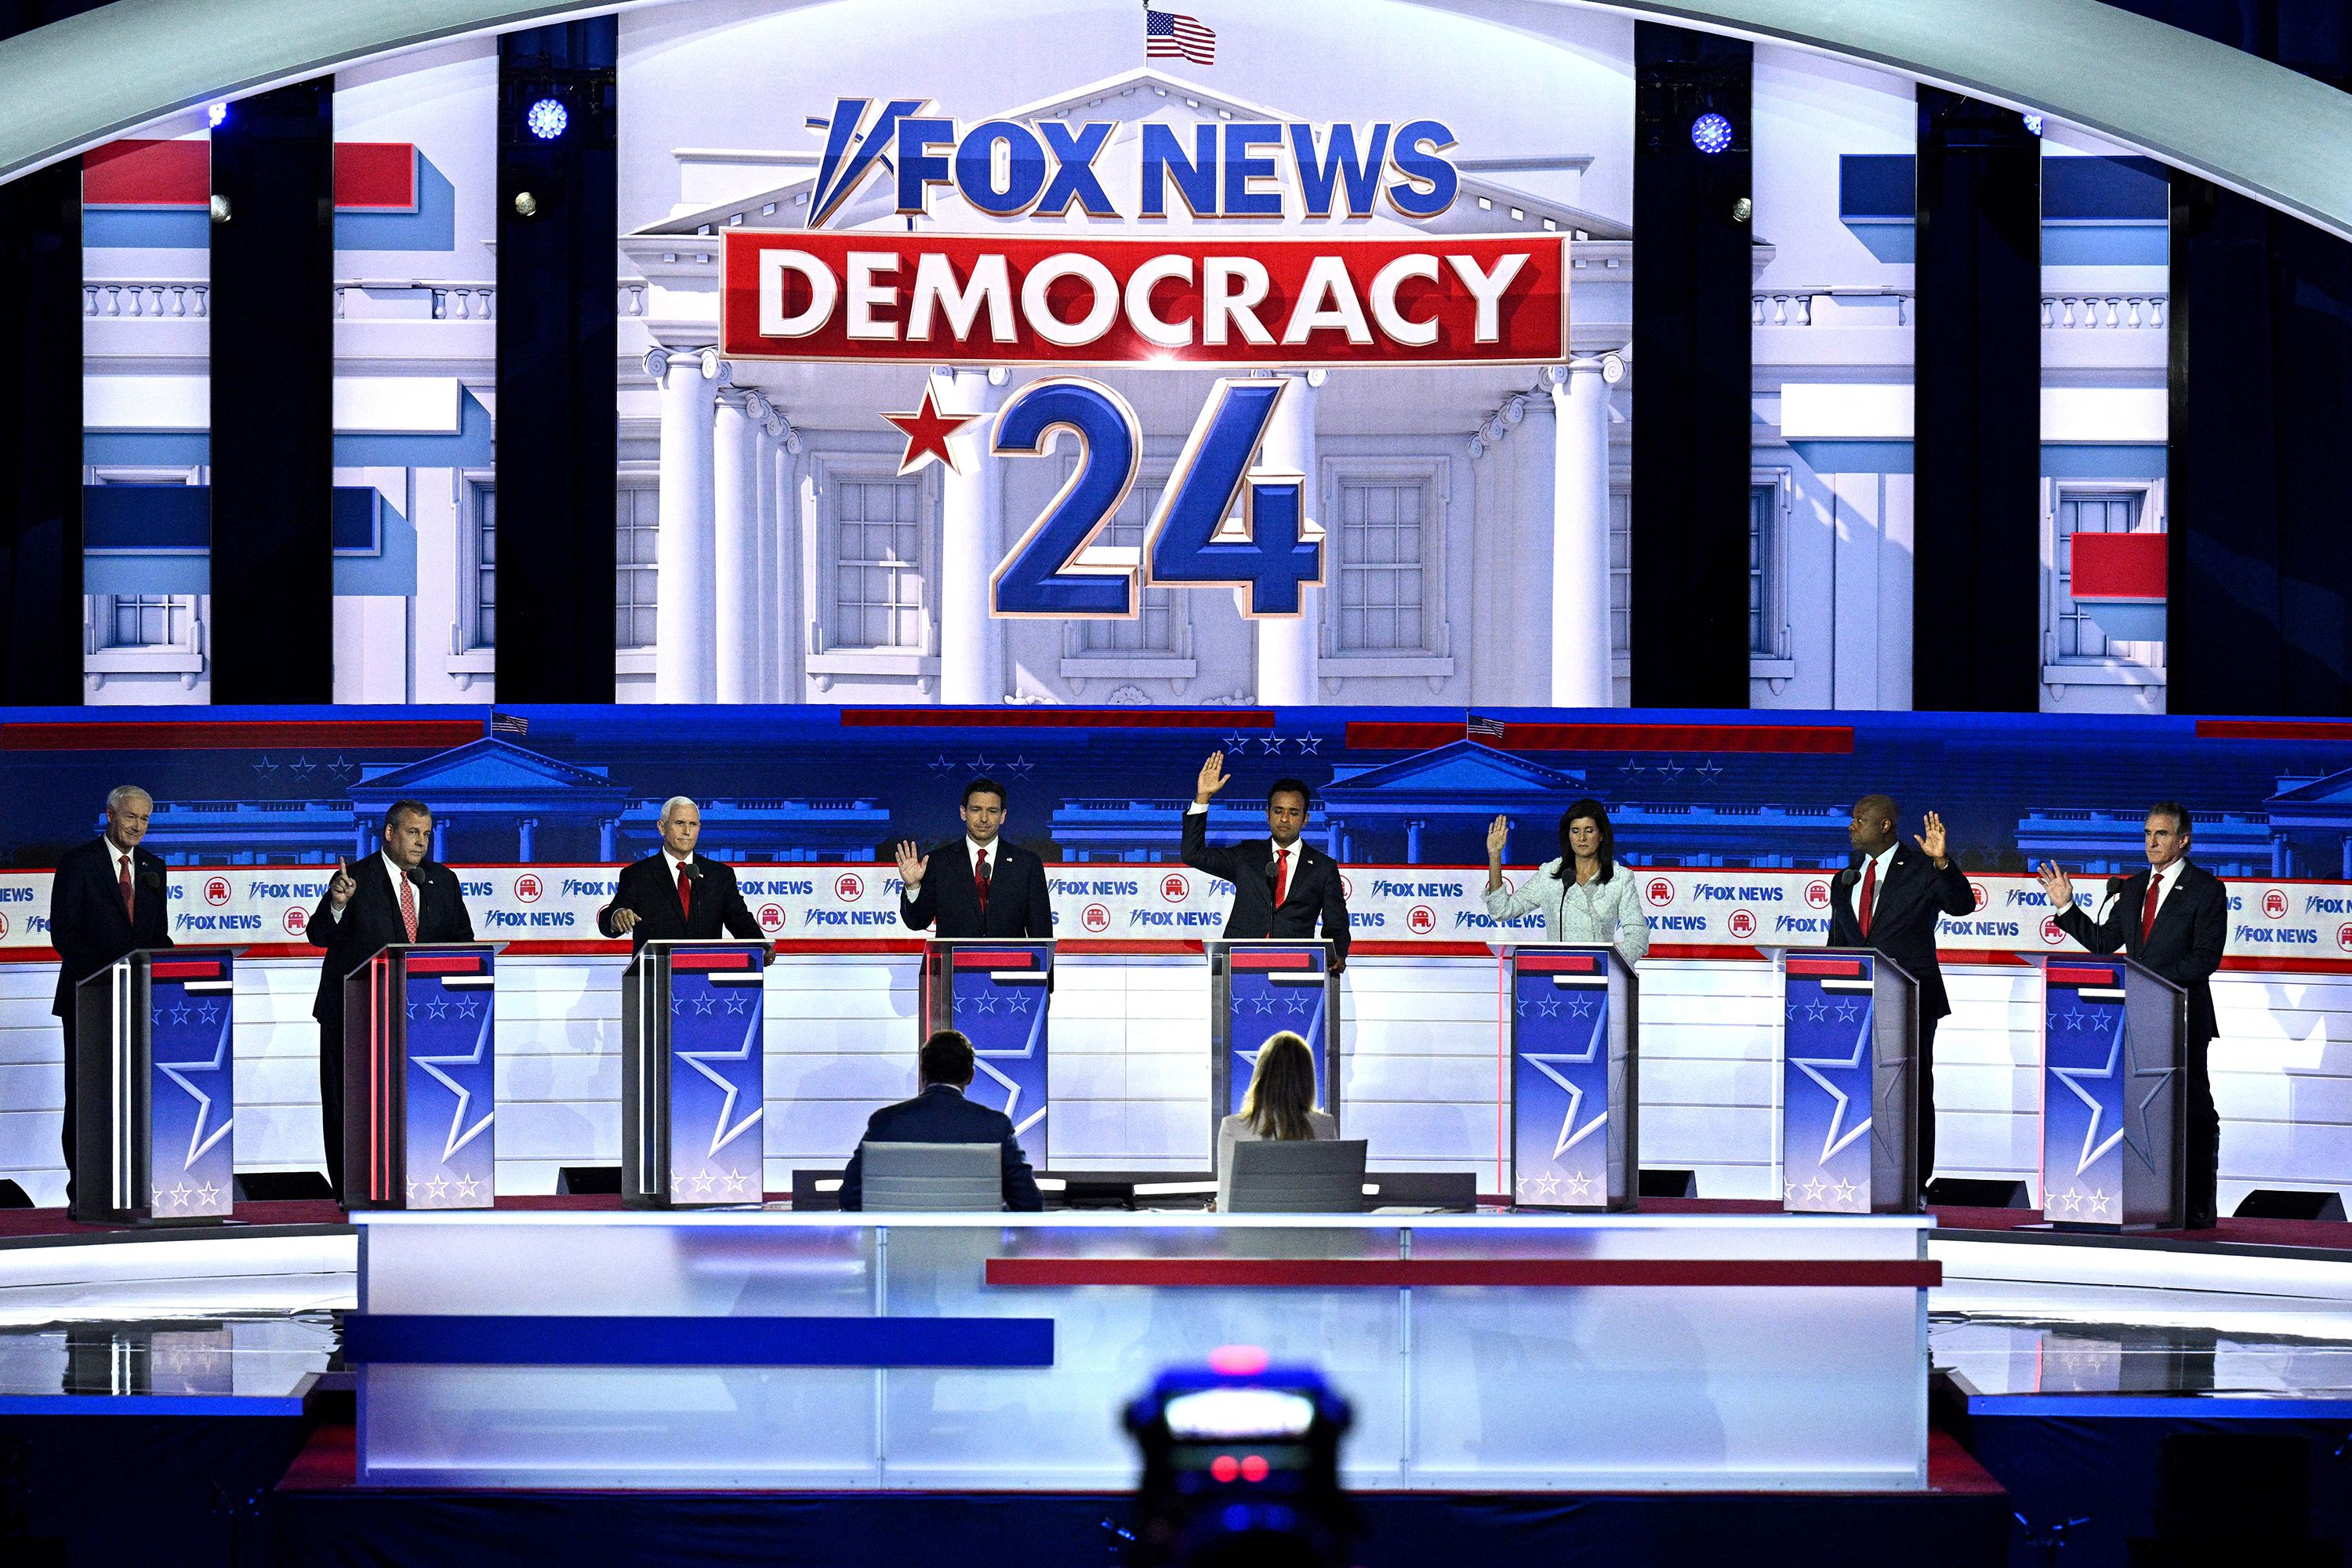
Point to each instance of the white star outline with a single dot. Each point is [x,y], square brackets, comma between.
[722,1134]
[1311,1029]
[459,1134]
[2068,1075]
[1831,1140]
[1027,1052]
[199,1144]
[1570,1136]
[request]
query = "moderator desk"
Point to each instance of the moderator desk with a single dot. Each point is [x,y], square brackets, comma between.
[1487,1353]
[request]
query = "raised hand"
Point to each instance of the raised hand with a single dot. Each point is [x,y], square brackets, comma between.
[1932,840]
[1498,836]
[341,887]
[2057,887]
[912,864]
[1213,778]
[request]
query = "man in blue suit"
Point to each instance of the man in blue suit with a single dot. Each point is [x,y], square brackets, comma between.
[941,1114]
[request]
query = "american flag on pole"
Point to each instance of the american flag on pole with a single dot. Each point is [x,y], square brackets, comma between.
[509,724]
[1479,724]
[1170,36]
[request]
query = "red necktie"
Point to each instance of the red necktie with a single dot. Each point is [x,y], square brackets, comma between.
[980,880]
[1281,877]
[685,892]
[129,911]
[408,905]
[1869,893]
[2147,910]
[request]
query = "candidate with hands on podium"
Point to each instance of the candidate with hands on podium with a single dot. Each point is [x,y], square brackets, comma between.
[1281,885]
[394,896]
[2172,918]
[674,894]
[978,885]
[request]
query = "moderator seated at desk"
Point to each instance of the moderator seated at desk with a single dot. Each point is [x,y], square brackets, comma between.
[1279,1105]
[941,1114]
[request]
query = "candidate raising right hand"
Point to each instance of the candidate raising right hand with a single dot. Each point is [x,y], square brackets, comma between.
[2057,887]
[912,864]
[341,887]
[1213,778]
[1498,837]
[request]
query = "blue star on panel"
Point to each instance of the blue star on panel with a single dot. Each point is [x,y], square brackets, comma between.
[1302,1004]
[1548,1007]
[706,1004]
[1815,1067]
[1015,1001]
[1307,744]
[1527,1007]
[182,1015]
[209,1013]
[437,1008]
[1848,1012]
[1816,1011]
[1263,1003]
[471,1007]
[677,1006]
[984,1002]
[2092,1147]
[1581,1006]
[737,1005]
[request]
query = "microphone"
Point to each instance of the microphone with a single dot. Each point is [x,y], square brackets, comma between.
[415,874]
[151,879]
[692,870]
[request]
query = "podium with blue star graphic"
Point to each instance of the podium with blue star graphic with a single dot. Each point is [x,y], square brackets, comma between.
[2114,1046]
[156,1098]
[1848,1088]
[1256,989]
[420,1064]
[1573,1019]
[692,1060]
[996,994]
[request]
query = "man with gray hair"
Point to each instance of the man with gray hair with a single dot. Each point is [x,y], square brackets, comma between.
[674,893]
[105,899]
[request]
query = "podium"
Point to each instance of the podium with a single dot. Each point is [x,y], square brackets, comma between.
[692,1061]
[1849,1098]
[996,992]
[1574,1017]
[420,1069]
[1256,989]
[2114,1050]
[155,1090]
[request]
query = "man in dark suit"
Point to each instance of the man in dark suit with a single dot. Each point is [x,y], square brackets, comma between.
[2172,918]
[984,886]
[941,1114]
[1280,886]
[105,898]
[1888,899]
[395,895]
[673,894]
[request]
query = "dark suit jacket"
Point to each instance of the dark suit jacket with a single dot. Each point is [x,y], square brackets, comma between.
[1314,887]
[2185,944]
[941,1114]
[87,925]
[1018,904]
[1903,917]
[648,888]
[371,921]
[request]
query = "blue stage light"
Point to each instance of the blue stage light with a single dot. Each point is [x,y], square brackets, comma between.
[216,115]
[547,119]
[1711,134]
[2033,125]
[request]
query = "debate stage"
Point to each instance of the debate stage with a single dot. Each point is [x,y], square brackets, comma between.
[2037,1382]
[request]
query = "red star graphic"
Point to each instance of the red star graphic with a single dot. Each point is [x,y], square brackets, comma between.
[927,431]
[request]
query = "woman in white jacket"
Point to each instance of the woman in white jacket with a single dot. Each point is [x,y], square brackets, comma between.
[1581,895]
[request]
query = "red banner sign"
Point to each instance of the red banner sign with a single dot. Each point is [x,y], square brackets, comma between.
[1076,299]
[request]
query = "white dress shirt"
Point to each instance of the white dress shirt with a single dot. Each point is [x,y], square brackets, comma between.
[678,866]
[1884,861]
[2163,882]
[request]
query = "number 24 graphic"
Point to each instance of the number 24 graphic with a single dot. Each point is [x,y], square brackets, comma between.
[1273,556]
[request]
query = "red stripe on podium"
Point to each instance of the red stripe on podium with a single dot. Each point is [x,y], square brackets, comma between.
[735,960]
[965,959]
[202,968]
[1273,960]
[1844,968]
[1244,1273]
[445,963]
[2059,977]
[1558,963]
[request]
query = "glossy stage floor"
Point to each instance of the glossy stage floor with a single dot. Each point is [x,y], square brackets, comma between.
[2096,1399]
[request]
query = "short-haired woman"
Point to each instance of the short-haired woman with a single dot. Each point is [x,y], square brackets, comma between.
[1582,898]
[1279,1107]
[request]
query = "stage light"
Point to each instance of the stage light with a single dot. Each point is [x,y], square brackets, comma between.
[547,119]
[216,115]
[526,205]
[2033,125]
[1711,134]
[1742,210]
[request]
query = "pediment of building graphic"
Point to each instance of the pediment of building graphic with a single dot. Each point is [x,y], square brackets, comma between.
[2330,789]
[484,768]
[1465,768]
[771,199]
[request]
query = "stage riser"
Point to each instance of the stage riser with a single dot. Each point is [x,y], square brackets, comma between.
[1131,1069]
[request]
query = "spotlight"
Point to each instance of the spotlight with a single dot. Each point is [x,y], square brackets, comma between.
[1711,134]
[526,205]
[216,115]
[2033,125]
[1742,210]
[220,208]
[546,119]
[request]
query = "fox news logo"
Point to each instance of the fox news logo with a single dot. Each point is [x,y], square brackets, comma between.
[1008,168]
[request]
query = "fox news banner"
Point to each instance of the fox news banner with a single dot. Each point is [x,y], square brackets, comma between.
[261,907]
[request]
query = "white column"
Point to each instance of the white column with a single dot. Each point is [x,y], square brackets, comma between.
[735,502]
[1286,648]
[972,664]
[784,601]
[1531,446]
[1581,663]
[686,656]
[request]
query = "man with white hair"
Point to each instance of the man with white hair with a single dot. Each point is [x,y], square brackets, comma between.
[106,898]
[674,893]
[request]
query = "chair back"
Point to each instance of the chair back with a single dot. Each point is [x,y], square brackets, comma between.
[1305,1176]
[933,1178]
